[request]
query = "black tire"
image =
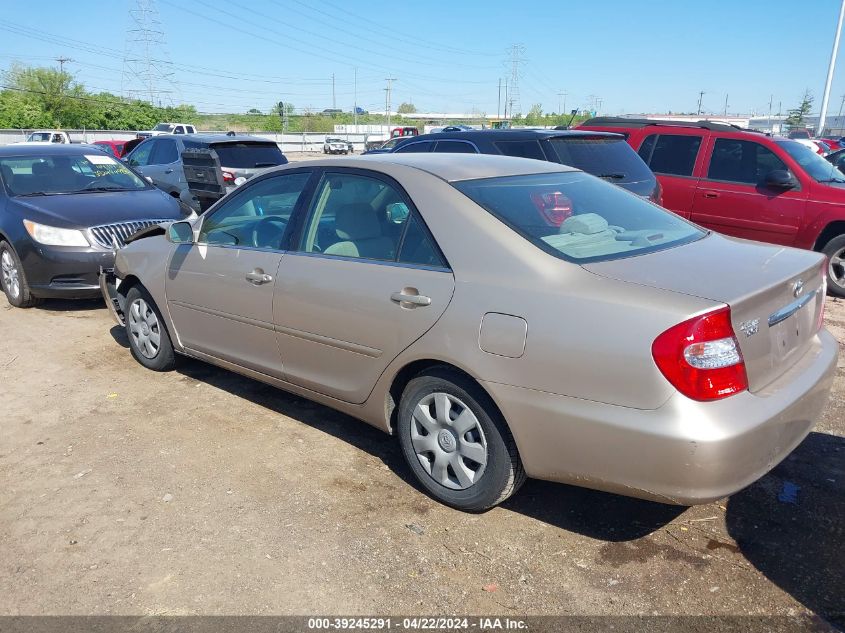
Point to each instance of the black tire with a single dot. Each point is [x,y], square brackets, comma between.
[164,358]
[502,475]
[23,297]
[835,248]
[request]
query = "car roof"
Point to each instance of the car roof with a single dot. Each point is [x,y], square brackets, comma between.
[511,135]
[45,149]
[222,138]
[623,122]
[448,167]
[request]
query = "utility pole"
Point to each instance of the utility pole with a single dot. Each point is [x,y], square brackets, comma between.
[700,97]
[726,105]
[831,66]
[499,101]
[506,98]
[355,107]
[769,120]
[62,61]
[334,101]
[389,81]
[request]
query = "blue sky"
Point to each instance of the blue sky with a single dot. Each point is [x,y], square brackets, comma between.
[636,56]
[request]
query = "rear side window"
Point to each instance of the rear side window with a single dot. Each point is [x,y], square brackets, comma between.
[249,155]
[165,152]
[455,147]
[605,157]
[672,154]
[745,162]
[421,146]
[521,149]
[579,218]
[418,247]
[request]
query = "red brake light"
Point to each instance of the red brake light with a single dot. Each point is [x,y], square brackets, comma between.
[657,194]
[228,177]
[553,206]
[701,357]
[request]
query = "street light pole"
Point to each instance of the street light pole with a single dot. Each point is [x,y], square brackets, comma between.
[826,97]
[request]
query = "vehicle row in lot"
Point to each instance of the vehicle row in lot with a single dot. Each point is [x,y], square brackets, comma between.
[334,145]
[745,184]
[434,297]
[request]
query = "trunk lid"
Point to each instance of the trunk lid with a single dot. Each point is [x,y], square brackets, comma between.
[775,293]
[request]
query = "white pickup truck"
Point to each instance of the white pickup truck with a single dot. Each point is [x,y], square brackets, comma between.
[168,128]
[42,137]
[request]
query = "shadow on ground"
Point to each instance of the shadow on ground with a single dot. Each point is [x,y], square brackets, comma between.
[595,514]
[71,305]
[791,525]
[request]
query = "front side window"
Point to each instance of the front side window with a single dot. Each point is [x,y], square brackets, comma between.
[66,174]
[257,216]
[578,217]
[455,147]
[819,169]
[140,156]
[743,162]
[671,154]
[419,146]
[521,149]
[364,218]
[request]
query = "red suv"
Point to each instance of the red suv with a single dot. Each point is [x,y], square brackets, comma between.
[744,183]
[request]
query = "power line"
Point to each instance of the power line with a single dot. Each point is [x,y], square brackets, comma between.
[143,77]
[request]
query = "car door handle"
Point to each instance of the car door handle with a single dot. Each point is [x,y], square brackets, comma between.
[168,171]
[259,277]
[412,299]
[711,194]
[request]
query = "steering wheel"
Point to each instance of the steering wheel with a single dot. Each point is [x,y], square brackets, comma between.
[268,232]
[100,181]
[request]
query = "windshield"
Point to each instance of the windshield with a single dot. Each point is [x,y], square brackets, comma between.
[816,166]
[605,157]
[54,175]
[249,155]
[163,127]
[334,140]
[577,217]
[40,137]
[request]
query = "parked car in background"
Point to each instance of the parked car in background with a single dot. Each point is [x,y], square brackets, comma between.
[384,147]
[168,128]
[813,145]
[605,155]
[407,130]
[837,159]
[160,158]
[835,143]
[63,209]
[115,148]
[456,128]
[799,134]
[744,183]
[583,352]
[45,137]
[334,145]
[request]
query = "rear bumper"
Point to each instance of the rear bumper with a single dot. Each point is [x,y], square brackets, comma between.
[685,452]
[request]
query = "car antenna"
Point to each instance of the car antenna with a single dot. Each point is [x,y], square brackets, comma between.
[571,118]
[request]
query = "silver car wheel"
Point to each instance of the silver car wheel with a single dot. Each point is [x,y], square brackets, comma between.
[449,441]
[11,277]
[836,268]
[144,328]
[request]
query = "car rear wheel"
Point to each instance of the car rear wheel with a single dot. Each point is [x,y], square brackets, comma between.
[456,442]
[149,340]
[13,279]
[835,251]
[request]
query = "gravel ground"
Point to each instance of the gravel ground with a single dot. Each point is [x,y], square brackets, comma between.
[124,491]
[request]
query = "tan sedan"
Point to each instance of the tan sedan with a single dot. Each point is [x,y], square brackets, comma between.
[502,317]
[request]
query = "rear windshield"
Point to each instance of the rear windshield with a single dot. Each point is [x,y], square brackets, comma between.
[577,217]
[249,155]
[605,157]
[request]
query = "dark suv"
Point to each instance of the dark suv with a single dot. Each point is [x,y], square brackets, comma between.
[602,154]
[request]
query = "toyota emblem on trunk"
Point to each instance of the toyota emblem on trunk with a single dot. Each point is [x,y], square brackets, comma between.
[798,288]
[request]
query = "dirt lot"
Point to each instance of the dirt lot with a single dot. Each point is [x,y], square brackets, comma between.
[123,491]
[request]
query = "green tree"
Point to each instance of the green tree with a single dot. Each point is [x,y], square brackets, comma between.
[797,116]
[535,114]
[406,108]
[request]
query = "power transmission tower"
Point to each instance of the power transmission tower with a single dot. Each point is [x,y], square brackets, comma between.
[515,61]
[561,109]
[147,69]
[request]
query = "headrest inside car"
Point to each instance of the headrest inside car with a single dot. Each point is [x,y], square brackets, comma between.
[585,223]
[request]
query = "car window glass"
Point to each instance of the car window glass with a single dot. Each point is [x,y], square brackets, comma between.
[257,215]
[647,147]
[603,156]
[355,216]
[179,130]
[742,161]
[165,152]
[455,147]
[523,149]
[421,146]
[673,154]
[418,247]
[140,156]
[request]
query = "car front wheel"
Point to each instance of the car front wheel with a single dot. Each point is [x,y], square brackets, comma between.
[835,251]
[13,279]
[456,442]
[149,340]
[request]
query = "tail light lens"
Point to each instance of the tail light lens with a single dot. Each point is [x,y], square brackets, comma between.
[657,195]
[553,206]
[228,177]
[701,357]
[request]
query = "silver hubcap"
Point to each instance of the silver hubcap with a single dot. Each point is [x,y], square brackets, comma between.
[144,328]
[837,268]
[11,277]
[448,441]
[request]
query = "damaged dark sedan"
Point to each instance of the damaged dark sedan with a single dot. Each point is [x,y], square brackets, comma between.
[63,210]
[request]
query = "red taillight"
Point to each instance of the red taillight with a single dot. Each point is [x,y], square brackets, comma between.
[657,195]
[553,206]
[228,177]
[701,357]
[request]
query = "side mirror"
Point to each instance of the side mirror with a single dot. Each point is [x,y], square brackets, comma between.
[397,212]
[148,179]
[180,233]
[780,179]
